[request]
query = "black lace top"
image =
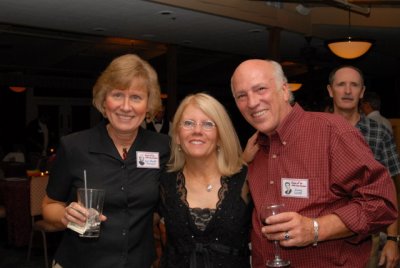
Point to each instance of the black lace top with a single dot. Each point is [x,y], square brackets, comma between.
[203,237]
[202,216]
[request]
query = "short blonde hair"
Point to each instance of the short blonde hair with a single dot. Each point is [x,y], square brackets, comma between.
[229,154]
[120,74]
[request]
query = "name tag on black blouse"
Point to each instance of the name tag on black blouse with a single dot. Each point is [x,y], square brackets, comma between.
[147,159]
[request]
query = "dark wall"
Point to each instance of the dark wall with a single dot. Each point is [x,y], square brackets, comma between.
[12,118]
[216,81]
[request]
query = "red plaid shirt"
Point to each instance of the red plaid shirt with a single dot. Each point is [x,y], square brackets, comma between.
[343,179]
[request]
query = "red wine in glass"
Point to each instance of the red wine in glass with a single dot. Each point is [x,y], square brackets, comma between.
[266,211]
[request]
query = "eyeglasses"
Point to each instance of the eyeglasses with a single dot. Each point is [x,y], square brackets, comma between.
[206,125]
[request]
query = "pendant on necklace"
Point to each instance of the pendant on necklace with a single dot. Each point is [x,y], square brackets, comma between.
[209,187]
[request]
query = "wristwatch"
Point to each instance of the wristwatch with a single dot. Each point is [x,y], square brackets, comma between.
[394,238]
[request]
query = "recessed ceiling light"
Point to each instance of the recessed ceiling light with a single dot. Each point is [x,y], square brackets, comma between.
[258,30]
[99,29]
[165,12]
[148,35]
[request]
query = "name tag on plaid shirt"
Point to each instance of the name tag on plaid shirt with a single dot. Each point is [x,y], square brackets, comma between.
[297,188]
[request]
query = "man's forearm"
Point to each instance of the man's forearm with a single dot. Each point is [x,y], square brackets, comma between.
[332,227]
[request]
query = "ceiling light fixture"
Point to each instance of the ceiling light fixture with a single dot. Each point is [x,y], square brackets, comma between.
[255,30]
[303,10]
[17,89]
[349,47]
[165,12]
[99,29]
[187,42]
[294,86]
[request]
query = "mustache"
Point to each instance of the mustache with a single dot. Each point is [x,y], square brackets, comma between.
[347,98]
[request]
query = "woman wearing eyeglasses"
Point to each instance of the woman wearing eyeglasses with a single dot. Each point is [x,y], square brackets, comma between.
[205,199]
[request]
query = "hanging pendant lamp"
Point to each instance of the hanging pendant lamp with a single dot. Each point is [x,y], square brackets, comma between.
[294,86]
[17,89]
[349,47]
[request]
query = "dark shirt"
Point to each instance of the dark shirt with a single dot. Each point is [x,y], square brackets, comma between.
[164,129]
[126,237]
[220,238]
[34,137]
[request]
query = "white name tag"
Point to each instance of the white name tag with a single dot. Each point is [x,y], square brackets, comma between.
[297,188]
[147,159]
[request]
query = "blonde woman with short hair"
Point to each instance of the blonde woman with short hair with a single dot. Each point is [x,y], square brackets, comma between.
[120,157]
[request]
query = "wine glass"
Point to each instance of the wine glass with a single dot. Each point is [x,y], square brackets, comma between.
[266,211]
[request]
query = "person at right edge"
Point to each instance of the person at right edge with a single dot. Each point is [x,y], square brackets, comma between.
[346,88]
[340,193]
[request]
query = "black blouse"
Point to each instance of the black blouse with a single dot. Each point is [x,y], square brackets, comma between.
[218,239]
[132,193]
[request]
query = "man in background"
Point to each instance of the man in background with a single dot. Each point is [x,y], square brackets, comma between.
[371,106]
[37,139]
[160,122]
[346,87]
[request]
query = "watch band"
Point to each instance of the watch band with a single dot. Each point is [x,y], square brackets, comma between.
[394,238]
[316,228]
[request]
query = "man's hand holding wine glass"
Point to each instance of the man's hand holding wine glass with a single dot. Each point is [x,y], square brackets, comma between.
[290,228]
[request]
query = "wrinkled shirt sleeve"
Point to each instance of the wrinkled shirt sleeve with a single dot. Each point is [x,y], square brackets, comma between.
[370,189]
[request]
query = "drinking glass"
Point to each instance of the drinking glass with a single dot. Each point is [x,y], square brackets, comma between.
[266,211]
[92,200]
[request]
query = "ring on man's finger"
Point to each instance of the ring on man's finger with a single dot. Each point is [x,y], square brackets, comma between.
[286,236]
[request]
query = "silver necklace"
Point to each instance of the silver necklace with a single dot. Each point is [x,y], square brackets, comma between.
[209,187]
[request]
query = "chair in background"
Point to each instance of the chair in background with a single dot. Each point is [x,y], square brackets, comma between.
[37,192]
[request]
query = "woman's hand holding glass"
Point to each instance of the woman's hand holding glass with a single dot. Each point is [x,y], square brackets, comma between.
[74,213]
[77,214]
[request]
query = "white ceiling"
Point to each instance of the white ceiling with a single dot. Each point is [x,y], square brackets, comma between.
[44,38]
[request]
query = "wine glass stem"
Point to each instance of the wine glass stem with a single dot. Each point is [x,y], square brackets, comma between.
[277,250]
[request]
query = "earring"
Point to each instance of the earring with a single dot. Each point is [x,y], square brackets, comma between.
[218,148]
[179,148]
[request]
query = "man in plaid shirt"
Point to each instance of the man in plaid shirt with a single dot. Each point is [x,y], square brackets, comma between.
[346,87]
